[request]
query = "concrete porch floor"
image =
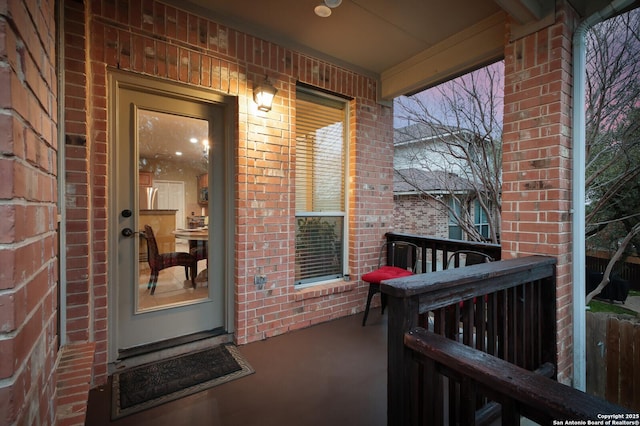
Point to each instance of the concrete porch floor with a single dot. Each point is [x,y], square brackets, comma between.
[328,374]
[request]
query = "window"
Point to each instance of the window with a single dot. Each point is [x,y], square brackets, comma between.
[481,221]
[455,231]
[320,187]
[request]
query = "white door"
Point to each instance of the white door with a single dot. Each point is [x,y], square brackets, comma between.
[171,196]
[150,127]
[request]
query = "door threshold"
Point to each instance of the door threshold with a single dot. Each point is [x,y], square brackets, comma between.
[144,354]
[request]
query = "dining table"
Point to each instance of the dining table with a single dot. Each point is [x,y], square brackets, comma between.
[195,234]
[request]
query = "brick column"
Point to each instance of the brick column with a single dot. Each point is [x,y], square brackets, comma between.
[537,160]
[78,177]
[28,213]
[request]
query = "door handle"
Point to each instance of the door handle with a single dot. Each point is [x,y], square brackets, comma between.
[127,232]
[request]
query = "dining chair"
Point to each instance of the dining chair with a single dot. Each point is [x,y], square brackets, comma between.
[472,257]
[401,260]
[159,261]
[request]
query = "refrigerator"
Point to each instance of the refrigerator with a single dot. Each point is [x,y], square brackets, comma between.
[148,198]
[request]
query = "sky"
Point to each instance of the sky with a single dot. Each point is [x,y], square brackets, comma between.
[437,99]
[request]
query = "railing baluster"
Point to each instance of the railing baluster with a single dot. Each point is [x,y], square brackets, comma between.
[538,324]
[480,318]
[467,322]
[503,340]
[530,359]
[492,324]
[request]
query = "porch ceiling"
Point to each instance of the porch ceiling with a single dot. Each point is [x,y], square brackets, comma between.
[407,44]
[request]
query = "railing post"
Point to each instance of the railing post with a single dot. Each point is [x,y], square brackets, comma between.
[403,316]
[549,325]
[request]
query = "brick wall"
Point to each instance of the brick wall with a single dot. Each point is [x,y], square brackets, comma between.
[28,194]
[148,37]
[537,159]
[420,215]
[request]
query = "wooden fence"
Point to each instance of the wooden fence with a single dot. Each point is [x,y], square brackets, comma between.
[613,358]
[627,270]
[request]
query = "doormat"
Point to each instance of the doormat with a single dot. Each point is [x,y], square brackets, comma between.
[150,385]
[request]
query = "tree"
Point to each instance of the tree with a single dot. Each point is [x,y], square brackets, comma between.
[467,113]
[459,126]
[616,256]
[613,132]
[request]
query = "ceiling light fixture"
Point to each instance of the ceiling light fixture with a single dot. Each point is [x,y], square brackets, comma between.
[323,10]
[263,95]
[333,3]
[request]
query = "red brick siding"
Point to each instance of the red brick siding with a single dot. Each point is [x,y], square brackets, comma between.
[78,177]
[74,380]
[151,38]
[422,216]
[537,159]
[28,195]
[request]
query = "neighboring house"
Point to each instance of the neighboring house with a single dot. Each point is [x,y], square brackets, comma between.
[425,147]
[431,194]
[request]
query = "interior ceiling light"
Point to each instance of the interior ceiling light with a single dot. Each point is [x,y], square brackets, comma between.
[333,3]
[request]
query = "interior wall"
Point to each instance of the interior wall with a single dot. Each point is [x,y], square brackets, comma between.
[190,179]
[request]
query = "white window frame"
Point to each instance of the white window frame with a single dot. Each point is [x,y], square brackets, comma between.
[481,219]
[454,204]
[308,282]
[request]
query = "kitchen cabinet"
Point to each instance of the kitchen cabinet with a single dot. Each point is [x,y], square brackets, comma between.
[163,222]
[146,198]
[145,179]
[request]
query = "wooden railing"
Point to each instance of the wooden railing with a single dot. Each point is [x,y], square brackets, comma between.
[505,309]
[439,253]
[519,392]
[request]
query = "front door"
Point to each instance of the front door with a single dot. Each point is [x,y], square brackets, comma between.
[169,280]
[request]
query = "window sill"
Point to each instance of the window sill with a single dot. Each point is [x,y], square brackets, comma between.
[321,290]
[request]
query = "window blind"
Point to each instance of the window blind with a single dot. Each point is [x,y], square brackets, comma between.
[320,187]
[319,157]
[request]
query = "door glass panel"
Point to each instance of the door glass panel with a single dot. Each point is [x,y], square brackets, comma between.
[173,158]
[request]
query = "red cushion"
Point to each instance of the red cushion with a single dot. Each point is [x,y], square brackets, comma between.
[385,273]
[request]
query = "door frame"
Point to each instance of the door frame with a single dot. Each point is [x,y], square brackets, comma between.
[117,79]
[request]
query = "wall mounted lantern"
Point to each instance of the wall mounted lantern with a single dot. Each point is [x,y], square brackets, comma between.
[263,95]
